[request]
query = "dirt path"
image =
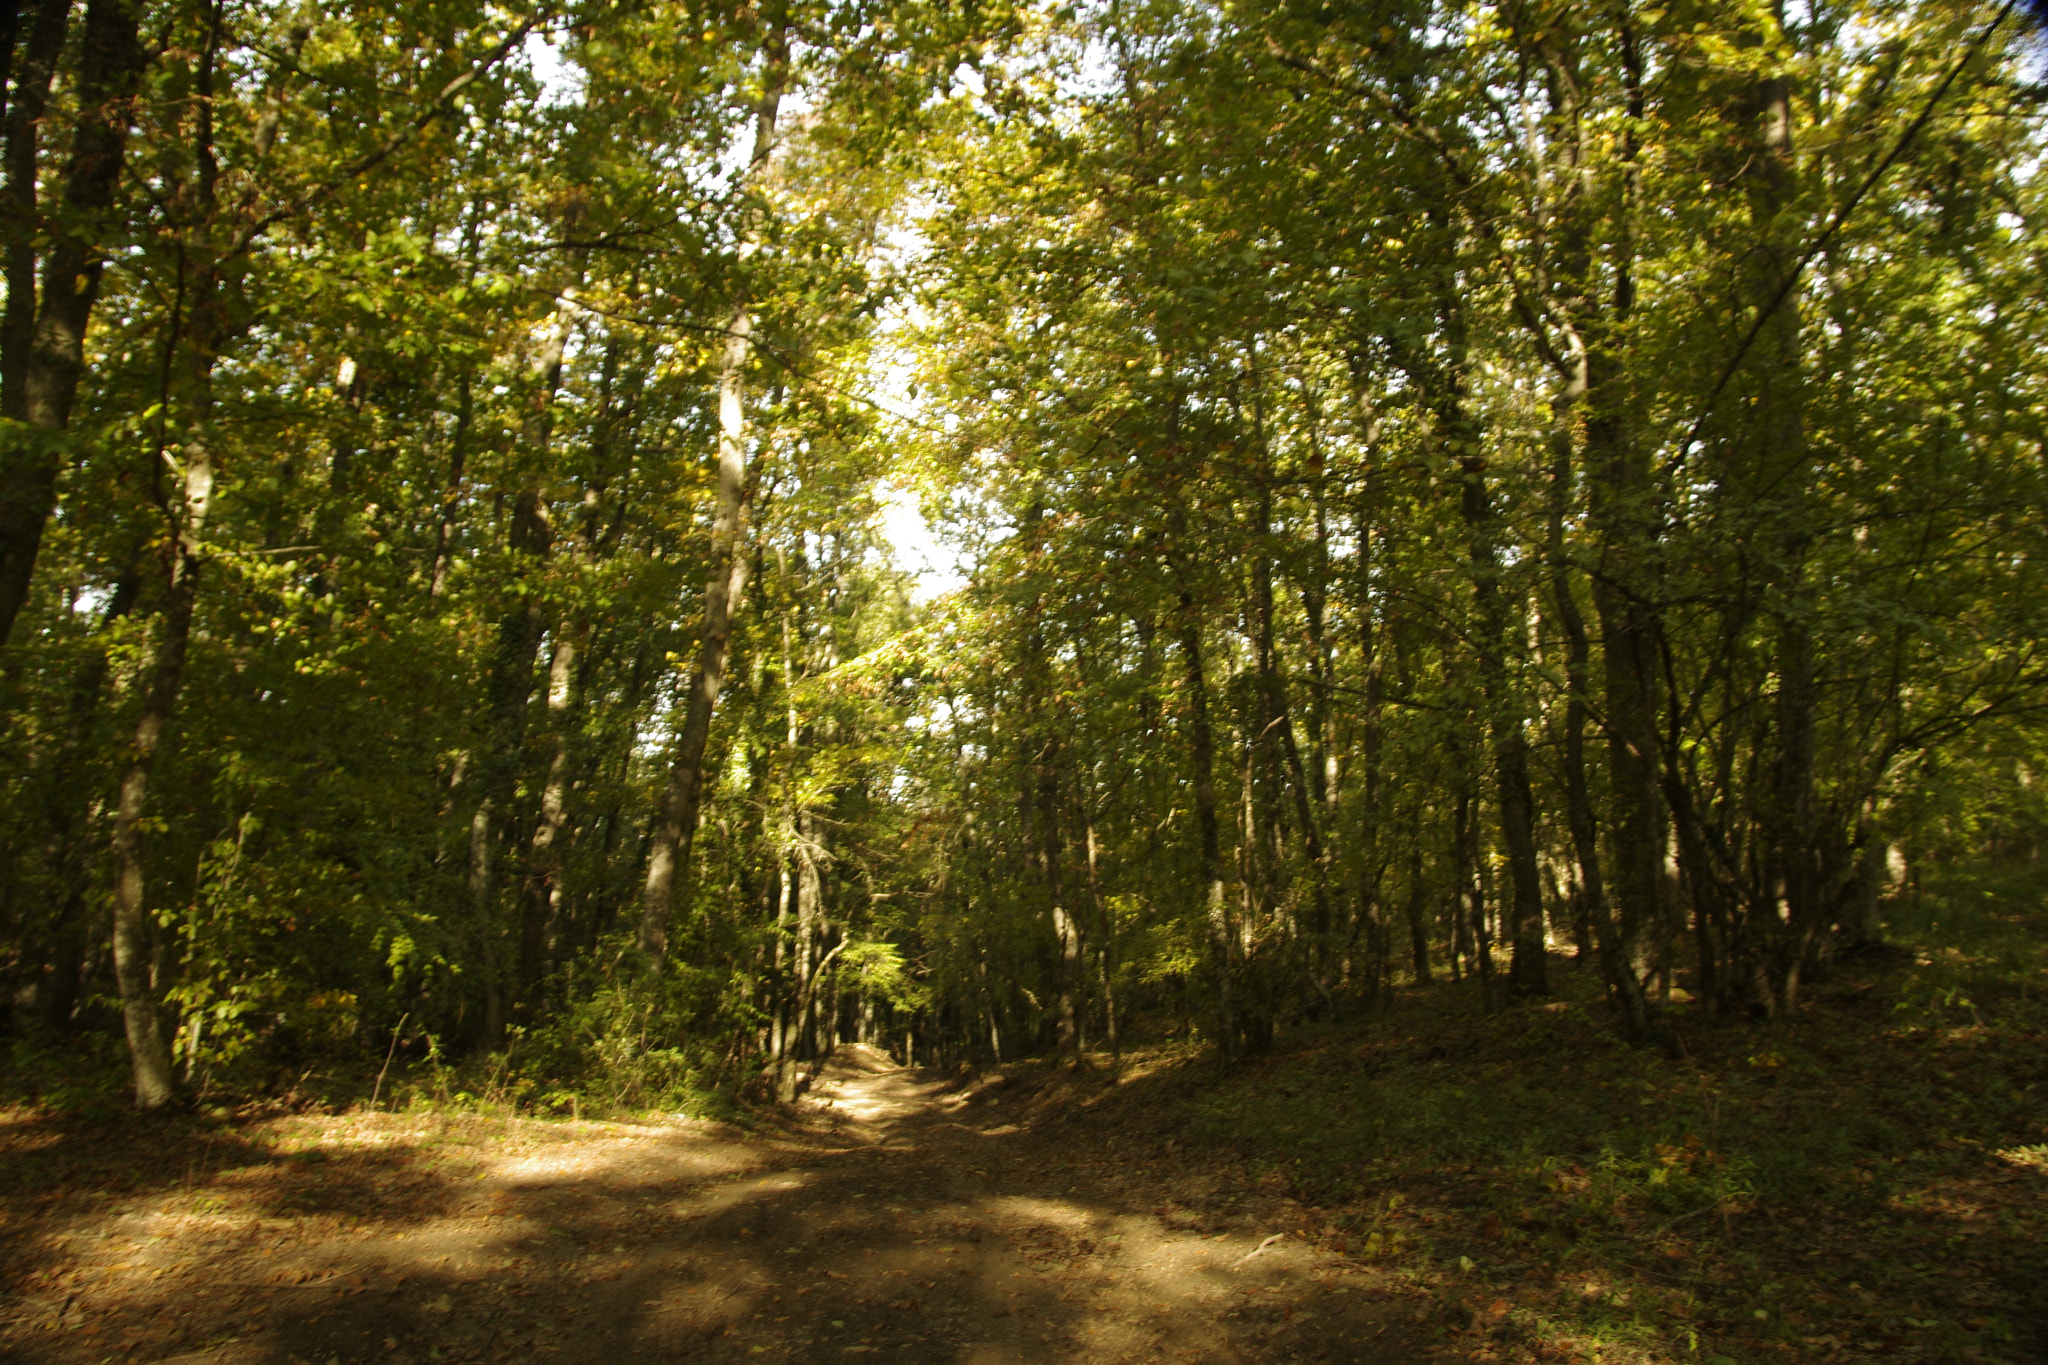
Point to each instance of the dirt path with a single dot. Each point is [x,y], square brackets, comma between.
[903,1219]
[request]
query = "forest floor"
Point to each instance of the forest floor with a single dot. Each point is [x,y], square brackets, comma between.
[901,1214]
[1867,1182]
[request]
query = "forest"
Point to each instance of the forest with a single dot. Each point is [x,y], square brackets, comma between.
[1024,680]
[1440,491]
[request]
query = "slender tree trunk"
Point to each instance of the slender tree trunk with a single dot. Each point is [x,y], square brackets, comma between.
[1462,961]
[110,67]
[1499,624]
[542,890]
[506,694]
[74,806]
[1624,521]
[31,95]
[1615,949]
[1105,946]
[465,421]
[788,975]
[530,537]
[1418,925]
[1624,516]
[668,863]
[134,955]
[1469,904]
[141,1011]
[458,458]
[483,898]
[782,1014]
[1202,750]
[1499,628]
[1066,930]
[810,926]
[10,27]
[1279,730]
[1784,478]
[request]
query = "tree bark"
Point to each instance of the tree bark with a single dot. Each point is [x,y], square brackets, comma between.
[110,67]
[1615,950]
[37,60]
[75,805]
[668,863]
[1446,386]
[209,329]
[506,691]
[1784,478]
[1279,730]
[1624,520]
[1372,741]
[1105,946]
[1202,750]
[542,889]
[1066,930]
[10,27]
[530,537]
[1498,622]
[1418,926]
[141,1009]
[458,457]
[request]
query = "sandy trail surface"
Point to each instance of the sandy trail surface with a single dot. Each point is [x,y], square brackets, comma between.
[907,1217]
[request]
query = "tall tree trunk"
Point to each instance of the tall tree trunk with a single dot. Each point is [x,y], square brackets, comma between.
[506,692]
[1624,519]
[668,863]
[1447,386]
[458,458]
[1499,626]
[1105,942]
[1066,930]
[141,1009]
[141,1002]
[74,808]
[37,62]
[1784,496]
[110,67]
[542,890]
[10,27]
[1279,730]
[781,1017]
[1616,957]
[465,421]
[1202,751]
[1470,899]
[1418,889]
[530,538]
[810,931]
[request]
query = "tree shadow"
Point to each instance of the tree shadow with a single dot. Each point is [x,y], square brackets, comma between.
[396,1243]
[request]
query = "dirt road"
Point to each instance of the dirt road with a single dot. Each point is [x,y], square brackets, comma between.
[903,1219]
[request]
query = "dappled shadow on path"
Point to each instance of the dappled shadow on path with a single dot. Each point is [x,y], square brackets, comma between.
[903,1220]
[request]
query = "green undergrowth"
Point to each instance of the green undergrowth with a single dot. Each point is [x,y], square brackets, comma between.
[613,1054]
[81,1079]
[1865,1180]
